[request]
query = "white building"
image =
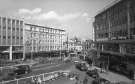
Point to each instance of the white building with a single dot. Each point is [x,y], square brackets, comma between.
[40,38]
[72,45]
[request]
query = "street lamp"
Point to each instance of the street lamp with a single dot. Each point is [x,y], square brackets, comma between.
[31,44]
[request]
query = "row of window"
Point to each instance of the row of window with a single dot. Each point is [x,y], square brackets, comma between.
[8,42]
[50,30]
[13,28]
[10,21]
[46,35]
[103,35]
[104,23]
[46,48]
[119,33]
[116,15]
[13,37]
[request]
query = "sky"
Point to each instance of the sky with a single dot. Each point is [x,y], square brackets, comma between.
[75,16]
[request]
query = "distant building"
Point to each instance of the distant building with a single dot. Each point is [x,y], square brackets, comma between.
[11,37]
[87,44]
[41,38]
[73,45]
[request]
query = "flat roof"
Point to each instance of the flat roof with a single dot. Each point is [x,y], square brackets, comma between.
[12,17]
[43,26]
[108,6]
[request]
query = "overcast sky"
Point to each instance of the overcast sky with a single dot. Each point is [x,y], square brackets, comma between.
[75,16]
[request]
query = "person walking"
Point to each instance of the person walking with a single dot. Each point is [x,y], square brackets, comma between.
[77,78]
[39,80]
[85,81]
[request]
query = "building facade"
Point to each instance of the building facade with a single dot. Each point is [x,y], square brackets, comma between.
[114,29]
[87,44]
[40,38]
[11,36]
[73,45]
[116,26]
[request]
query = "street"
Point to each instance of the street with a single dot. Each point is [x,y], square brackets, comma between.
[112,77]
[64,66]
[46,68]
[70,66]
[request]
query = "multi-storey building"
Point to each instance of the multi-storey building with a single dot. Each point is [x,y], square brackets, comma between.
[40,38]
[73,45]
[114,29]
[87,44]
[11,36]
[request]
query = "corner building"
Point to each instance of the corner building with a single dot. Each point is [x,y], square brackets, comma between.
[11,37]
[114,29]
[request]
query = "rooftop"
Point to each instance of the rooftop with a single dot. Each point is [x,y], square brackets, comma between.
[108,6]
[43,26]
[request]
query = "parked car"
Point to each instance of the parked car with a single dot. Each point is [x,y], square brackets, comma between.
[76,62]
[93,73]
[22,69]
[82,66]
[101,81]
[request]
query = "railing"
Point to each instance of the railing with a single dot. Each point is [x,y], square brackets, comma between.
[33,79]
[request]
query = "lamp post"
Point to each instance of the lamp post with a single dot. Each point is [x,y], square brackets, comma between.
[60,55]
[31,49]
[23,51]
[31,44]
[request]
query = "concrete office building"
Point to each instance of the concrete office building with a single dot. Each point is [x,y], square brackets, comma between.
[41,38]
[114,29]
[11,37]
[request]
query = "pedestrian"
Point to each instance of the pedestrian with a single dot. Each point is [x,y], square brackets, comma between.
[85,81]
[39,80]
[95,81]
[34,80]
[77,78]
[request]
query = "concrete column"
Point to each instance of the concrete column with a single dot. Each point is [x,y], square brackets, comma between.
[128,19]
[10,52]
[15,34]
[98,50]
[23,52]
[109,24]
[31,49]
[122,48]
[1,31]
[24,40]
[6,30]
[102,47]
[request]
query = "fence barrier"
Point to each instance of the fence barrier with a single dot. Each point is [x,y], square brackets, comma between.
[33,79]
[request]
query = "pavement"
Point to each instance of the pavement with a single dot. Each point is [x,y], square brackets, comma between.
[114,77]
[111,76]
[62,80]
